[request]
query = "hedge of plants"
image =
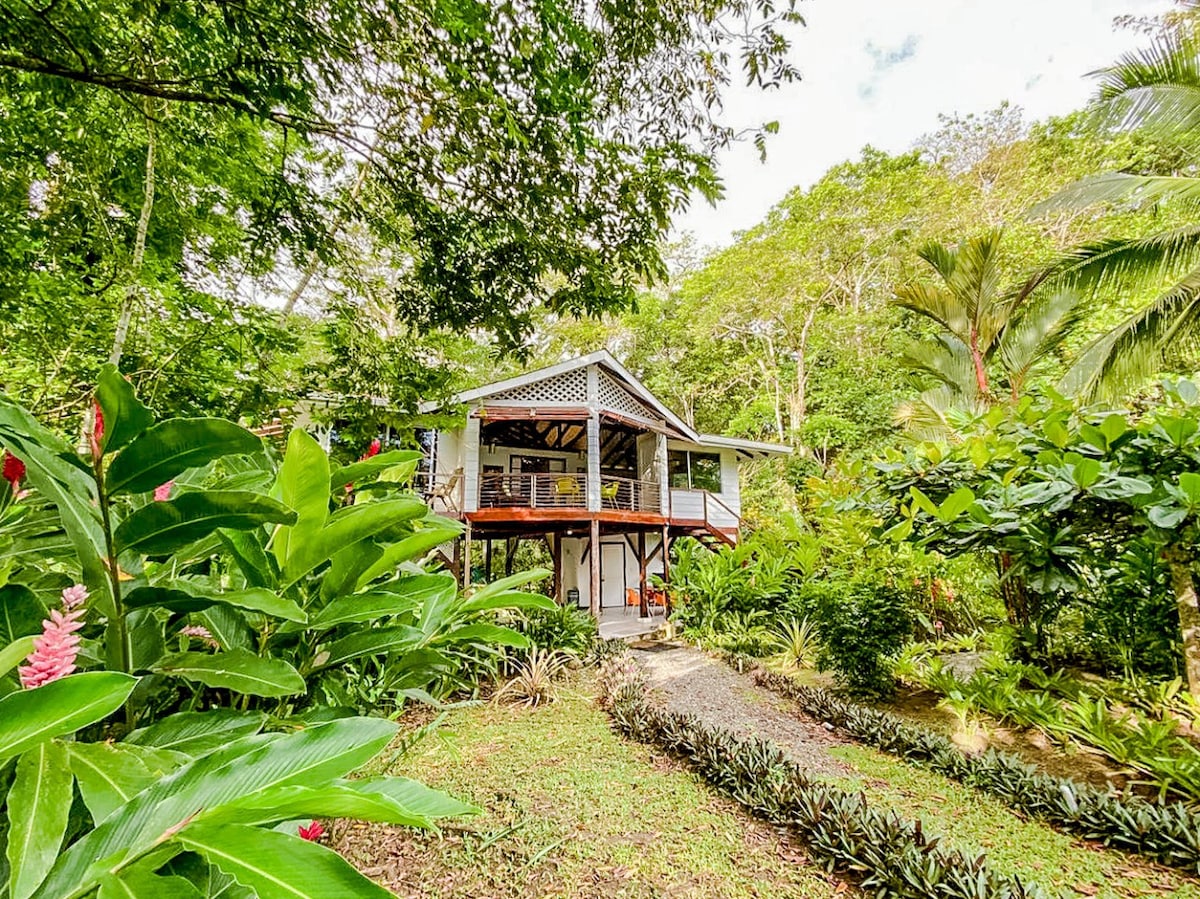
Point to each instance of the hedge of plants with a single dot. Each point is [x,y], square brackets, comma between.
[1167,832]
[888,856]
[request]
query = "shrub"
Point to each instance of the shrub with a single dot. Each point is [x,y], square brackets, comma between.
[1167,832]
[797,643]
[861,623]
[563,628]
[533,684]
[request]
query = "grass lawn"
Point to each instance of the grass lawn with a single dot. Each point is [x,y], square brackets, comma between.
[571,810]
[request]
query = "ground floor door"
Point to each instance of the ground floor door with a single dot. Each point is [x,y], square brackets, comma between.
[612,575]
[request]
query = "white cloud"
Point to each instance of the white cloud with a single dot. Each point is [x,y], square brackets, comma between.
[879,73]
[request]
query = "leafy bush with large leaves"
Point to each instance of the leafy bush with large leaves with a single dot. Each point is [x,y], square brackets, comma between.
[230,591]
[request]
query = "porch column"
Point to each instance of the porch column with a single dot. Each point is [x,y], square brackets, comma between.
[594,564]
[466,558]
[643,604]
[660,468]
[470,457]
[555,541]
[593,462]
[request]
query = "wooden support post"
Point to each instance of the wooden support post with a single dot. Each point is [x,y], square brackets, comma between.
[643,600]
[456,561]
[594,564]
[666,551]
[555,541]
[466,562]
[487,559]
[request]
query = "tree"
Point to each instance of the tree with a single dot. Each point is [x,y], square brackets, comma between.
[983,325]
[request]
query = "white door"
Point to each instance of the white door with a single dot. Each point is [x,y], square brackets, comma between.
[612,575]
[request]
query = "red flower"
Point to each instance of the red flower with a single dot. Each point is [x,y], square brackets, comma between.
[313,832]
[97,436]
[162,492]
[14,470]
[372,450]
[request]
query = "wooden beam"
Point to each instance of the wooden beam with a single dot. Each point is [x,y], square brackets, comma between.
[487,559]
[666,551]
[643,599]
[467,557]
[594,546]
[510,550]
[555,541]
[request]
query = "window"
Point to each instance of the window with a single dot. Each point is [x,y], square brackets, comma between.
[694,471]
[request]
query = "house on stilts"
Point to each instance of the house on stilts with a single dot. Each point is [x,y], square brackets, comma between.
[583,456]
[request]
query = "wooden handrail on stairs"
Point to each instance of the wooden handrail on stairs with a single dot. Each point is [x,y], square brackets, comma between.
[719,532]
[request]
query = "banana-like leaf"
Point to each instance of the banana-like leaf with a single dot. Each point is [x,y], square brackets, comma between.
[238,770]
[512,599]
[198,733]
[39,802]
[239,670]
[31,717]
[303,485]
[249,556]
[21,612]
[346,528]
[511,583]
[417,797]
[406,550]
[14,653]
[125,417]
[279,866]
[341,799]
[172,447]
[486,634]
[142,883]
[109,775]
[363,607]
[372,642]
[158,529]
[368,468]
[185,596]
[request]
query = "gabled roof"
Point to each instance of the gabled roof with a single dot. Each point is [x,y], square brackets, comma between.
[605,360]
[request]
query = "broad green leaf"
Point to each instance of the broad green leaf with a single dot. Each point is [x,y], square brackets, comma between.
[303,485]
[406,550]
[955,504]
[39,802]
[240,769]
[1166,517]
[341,799]
[172,447]
[417,797]
[30,717]
[124,415]
[158,529]
[1178,430]
[109,775]
[1189,485]
[346,528]
[238,670]
[371,642]
[486,634]
[512,599]
[14,653]
[21,612]
[368,468]
[899,532]
[279,866]
[1057,433]
[511,582]
[249,556]
[198,733]
[186,596]
[363,607]
[142,883]
[923,502]
[1087,472]
[1113,427]
[228,627]
[1093,435]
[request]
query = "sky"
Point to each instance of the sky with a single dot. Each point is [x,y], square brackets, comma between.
[879,72]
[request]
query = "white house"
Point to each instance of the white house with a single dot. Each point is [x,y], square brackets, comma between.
[583,455]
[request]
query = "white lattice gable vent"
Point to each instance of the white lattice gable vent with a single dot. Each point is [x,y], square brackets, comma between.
[570,387]
[615,397]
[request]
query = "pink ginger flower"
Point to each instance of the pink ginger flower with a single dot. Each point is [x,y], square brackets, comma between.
[55,651]
[162,492]
[372,450]
[312,833]
[14,470]
[200,633]
[96,438]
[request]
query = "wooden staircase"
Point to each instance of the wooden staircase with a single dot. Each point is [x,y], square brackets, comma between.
[708,531]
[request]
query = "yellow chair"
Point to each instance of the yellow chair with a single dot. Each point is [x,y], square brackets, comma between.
[608,493]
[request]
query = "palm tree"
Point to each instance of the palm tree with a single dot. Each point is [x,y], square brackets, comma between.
[1156,89]
[986,331]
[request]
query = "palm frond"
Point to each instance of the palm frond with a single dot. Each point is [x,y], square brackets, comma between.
[1156,88]
[935,414]
[1131,190]
[946,360]
[936,304]
[1133,351]
[1032,334]
[976,282]
[941,258]
[1161,257]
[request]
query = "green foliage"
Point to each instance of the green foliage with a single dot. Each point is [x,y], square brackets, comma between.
[1165,832]
[893,857]
[862,623]
[563,628]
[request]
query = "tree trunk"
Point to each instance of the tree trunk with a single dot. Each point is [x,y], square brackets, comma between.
[800,399]
[981,378]
[1184,587]
[139,250]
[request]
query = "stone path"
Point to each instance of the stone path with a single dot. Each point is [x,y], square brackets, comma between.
[689,682]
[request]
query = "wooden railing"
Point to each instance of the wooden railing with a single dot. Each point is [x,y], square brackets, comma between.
[559,490]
